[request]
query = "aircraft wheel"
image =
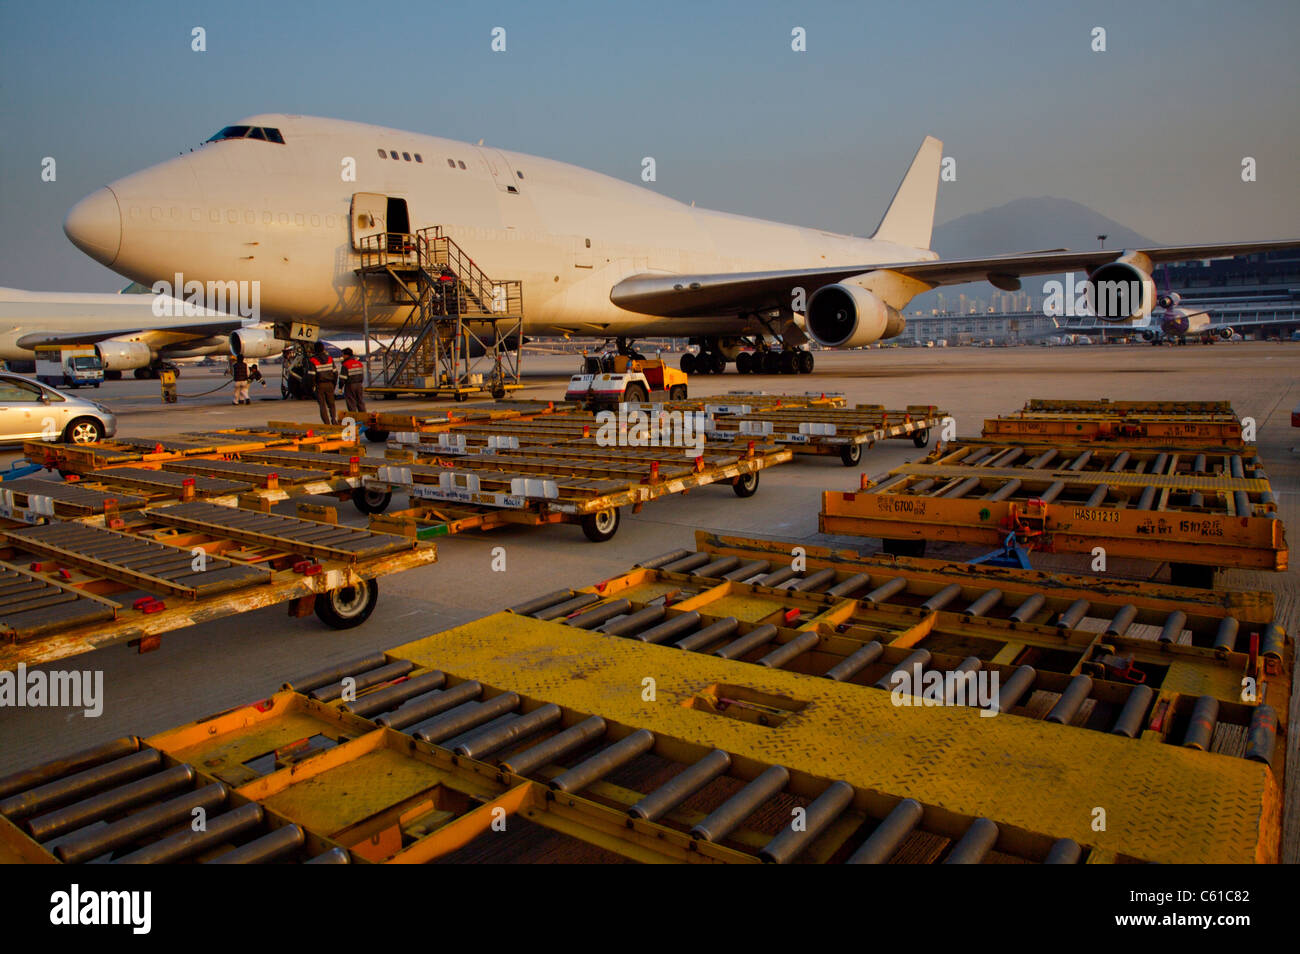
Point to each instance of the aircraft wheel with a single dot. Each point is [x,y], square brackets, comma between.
[348,606]
[743,362]
[771,362]
[601,526]
[805,362]
[687,364]
[788,362]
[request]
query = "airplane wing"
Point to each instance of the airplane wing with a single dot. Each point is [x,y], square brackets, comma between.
[724,293]
[198,329]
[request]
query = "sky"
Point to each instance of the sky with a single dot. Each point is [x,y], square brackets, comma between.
[1151,132]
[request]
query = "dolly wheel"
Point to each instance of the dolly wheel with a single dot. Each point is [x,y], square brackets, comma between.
[375,435]
[371,501]
[601,525]
[746,485]
[347,606]
[903,548]
[921,438]
[850,454]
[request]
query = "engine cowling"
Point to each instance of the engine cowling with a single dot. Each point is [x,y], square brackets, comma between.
[1120,291]
[845,315]
[255,343]
[117,355]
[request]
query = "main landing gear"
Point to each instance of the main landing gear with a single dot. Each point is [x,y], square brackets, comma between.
[749,356]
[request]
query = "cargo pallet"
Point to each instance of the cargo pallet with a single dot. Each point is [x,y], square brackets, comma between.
[573,482]
[830,431]
[691,709]
[69,587]
[1196,509]
[1184,424]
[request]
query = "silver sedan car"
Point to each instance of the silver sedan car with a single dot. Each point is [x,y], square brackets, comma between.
[31,411]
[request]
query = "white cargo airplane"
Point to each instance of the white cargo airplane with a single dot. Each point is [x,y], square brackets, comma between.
[286,201]
[126,330]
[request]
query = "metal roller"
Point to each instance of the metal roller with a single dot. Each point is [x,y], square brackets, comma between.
[715,631]
[985,603]
[778,576]
[918,657]
[429,705]
[978,841]
[1043,459]
[1148,498]
[818,816]
[323,677]
[1272,642]
[269,847]
[113,802]
[681,787]
[729,816]
[717,567]
[634,621]
[854,663]
[962,489]
[1007,457]
[1200,726]
[77,762]
[556,747]
[1118,463]
[747,571]
[921,486]
[1053,491]
[942,598]
[1075,612]
[95,840]
[1122,620]
[851,585]
[81,784]
[1196,499]
[494,738]
[788,651]
[1098,495]
[655,563]
[1235,467]
[1130,718]
[1065,851]
[1173,627]
[1009,692]
[969,664]
[594,617]
[881,845]
[387,698]
[1005,491]
[886,590]
[220,828]
[394,670]
[681,623]
[758,636]
[568,607]
[466,717]
[1262,737]
[1074,696]
[1081,461]
[1225,640]
[813,580]
[686,563]
[1029,608]
[335,856]
[1160,463]
[541,602]
[1198,464]
[604,762]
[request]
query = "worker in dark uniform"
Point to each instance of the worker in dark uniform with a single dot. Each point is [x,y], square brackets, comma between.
[354,381]
[325,374]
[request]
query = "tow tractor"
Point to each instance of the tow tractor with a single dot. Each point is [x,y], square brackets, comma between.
[610,379]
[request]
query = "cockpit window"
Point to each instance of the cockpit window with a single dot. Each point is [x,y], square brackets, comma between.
[264,133]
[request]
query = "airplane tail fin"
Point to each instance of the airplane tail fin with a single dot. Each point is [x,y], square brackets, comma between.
[910,217]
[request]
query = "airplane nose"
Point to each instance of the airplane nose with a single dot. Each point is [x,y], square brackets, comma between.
[95,226]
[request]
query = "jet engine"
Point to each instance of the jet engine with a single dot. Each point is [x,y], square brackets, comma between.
[118,355]
[255,343]
[1122,290]
[845,315]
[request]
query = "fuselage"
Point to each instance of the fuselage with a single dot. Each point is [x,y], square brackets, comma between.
[280,214]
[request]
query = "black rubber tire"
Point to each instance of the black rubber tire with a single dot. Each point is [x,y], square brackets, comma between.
[83,426]
[635,394]
[371,501]
[921,438]
[677,392]
[744,362]
[112,375]
[376,435]
[719,363]
[141,374]
[602,525]
[789,363]
[1194,575]
[348,606]
[771,362]
[746,485]
[903,548]
[851,455]
[806,362]
[461,396]
[687,364]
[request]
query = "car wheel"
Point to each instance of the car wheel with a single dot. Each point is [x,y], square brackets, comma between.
[601,525]
[348,606]
[635,394]
[84,430]
[677,392]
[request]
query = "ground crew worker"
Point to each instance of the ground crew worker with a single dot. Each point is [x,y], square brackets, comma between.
[354,381]
[326,375]
[240,374]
